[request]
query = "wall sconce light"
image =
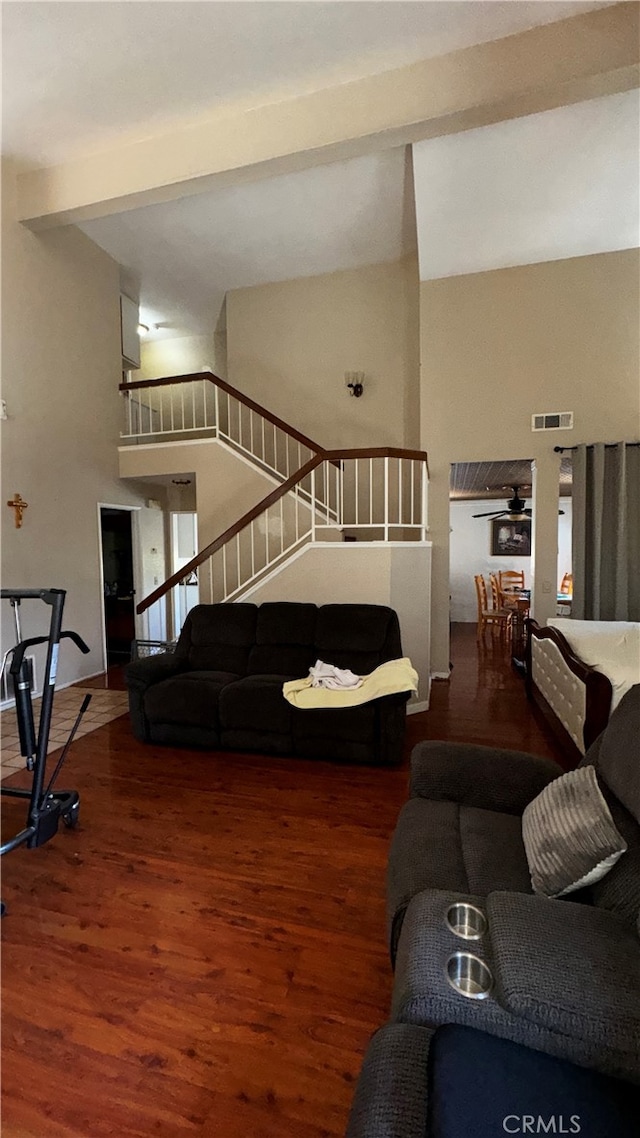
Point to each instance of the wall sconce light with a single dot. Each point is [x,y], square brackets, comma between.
[143,329]
[355,382]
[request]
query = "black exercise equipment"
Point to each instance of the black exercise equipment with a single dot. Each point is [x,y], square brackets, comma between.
[46,805]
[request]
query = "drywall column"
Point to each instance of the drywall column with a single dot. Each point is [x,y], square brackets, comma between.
[544,532]
[410,596]
[438,533]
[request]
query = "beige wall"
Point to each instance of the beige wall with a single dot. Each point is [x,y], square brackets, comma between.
[60,371]
[225,486]
[182,355]
[499,346]
[289,345]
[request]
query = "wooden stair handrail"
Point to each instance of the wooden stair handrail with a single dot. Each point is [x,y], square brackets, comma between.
[233,391]
[333,456]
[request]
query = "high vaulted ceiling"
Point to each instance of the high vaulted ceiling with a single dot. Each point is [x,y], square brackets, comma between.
[187,254]
[80,78]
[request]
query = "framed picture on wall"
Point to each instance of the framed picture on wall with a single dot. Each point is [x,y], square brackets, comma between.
[510,539]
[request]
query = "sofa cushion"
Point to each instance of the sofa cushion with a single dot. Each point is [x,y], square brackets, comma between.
[350,723]
[569,835]
[493,851]
[286,622]
[255,703]
[461,849]
[358,637]
[284,646]
[221,636]
[190,698]
[284,660]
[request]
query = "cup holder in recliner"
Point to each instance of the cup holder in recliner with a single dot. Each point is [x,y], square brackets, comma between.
[466,920]
[469,975]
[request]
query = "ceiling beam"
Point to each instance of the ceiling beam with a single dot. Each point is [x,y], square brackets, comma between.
[596,53]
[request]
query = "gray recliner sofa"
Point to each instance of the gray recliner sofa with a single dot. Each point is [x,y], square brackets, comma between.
[564,974]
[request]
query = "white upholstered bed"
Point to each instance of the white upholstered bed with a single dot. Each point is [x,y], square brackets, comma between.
[577,671]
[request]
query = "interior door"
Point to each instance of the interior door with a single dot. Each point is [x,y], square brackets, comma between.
[119,594]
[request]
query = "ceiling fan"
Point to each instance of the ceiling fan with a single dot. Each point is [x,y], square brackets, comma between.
[516,511]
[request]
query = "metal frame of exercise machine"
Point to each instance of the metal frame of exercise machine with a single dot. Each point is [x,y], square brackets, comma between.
[46,805]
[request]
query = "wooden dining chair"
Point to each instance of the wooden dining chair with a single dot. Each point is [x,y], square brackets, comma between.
[510,579]
[493,618]
[565,596]
[566,585]
[495,592]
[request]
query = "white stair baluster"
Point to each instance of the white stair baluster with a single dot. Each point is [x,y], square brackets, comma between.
[386,499]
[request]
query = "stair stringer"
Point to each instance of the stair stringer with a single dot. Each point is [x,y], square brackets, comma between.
[227,482]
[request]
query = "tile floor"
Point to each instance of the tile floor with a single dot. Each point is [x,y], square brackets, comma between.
[104,706]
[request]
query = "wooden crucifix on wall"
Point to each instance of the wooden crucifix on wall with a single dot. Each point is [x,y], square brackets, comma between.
[18,504]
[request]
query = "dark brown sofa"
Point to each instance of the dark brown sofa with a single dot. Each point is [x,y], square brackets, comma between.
[222,687]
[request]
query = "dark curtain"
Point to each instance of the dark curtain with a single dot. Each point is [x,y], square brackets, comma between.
[606,532]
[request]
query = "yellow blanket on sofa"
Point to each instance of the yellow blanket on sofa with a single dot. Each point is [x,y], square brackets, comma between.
[394,676]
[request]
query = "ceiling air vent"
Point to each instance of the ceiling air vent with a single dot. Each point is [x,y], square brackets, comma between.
[553,421]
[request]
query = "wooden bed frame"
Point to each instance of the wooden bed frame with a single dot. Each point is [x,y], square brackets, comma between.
[597,687]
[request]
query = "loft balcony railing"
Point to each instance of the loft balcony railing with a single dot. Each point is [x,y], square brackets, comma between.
[203,405]
[370,495]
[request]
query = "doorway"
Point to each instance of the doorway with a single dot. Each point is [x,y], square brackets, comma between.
[490,529]
[117,573]
[184,544]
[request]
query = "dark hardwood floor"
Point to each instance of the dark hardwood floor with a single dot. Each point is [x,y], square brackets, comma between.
[205,954]
[484,701]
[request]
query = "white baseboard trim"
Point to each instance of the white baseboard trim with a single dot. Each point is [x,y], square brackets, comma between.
[413,708]
[440,675]
[81,680]
[7,703]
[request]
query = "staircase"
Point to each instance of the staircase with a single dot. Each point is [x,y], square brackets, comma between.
[376,495]
[199,406]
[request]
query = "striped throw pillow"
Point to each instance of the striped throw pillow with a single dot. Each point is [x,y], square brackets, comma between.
[569,835]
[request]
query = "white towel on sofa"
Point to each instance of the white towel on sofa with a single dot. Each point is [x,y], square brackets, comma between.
[335,679]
